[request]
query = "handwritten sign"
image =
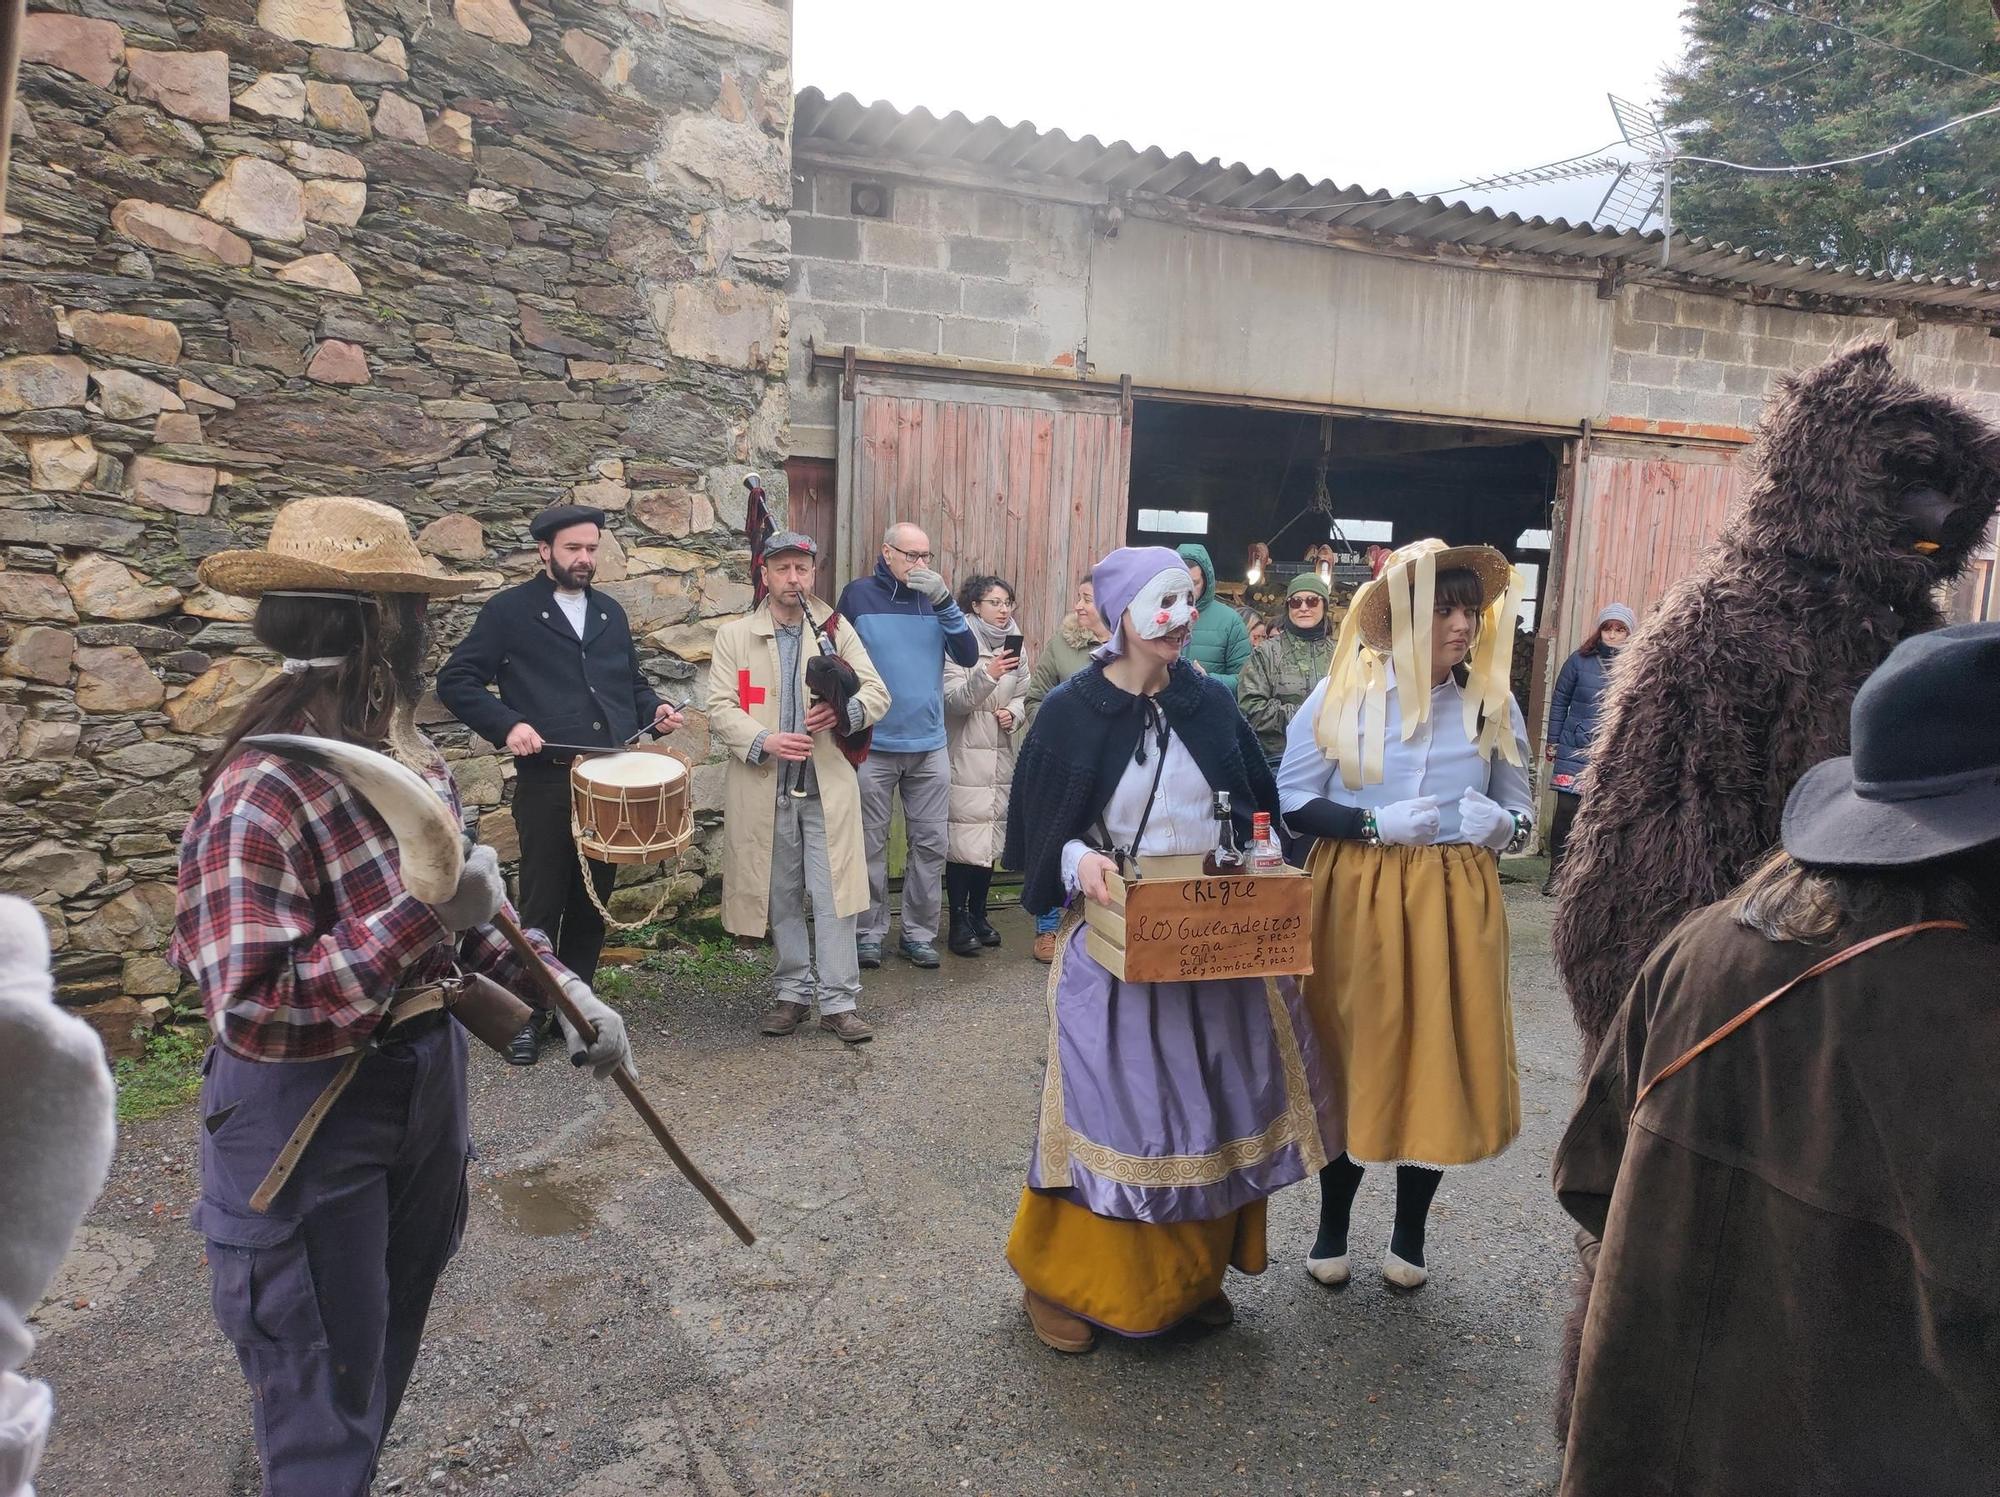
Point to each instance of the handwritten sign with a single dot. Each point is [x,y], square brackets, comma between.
[1200,929]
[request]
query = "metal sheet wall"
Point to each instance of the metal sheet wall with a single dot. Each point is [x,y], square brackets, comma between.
[1026,483]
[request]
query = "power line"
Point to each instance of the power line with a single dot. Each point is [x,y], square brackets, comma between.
[1815,166]
[1876,41]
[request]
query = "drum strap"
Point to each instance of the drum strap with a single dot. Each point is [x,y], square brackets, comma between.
[590,888]
[403,1008]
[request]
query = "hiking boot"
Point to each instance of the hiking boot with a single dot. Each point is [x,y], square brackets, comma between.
[782,1018]
[1045,946]
[1055,1327]
[868,954]
[983,928]
[918,953]
[848,1026]
[963,940]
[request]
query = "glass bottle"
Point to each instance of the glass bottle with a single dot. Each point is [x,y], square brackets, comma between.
[1265,854]
[1225,859]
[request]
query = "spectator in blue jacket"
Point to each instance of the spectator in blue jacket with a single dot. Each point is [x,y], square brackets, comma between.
[1220,643]
[910,625]
[1573,720]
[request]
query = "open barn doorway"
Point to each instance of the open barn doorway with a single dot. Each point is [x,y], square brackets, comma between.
[1299,482]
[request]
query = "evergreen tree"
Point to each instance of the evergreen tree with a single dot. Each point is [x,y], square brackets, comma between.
[1771,84]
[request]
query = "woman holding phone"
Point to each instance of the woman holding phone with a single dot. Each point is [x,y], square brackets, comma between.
[985,707]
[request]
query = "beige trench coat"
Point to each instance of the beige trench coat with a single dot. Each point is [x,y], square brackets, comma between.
[743,702]
[982,757]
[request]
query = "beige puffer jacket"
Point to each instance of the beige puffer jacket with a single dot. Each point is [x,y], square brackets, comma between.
[982,756]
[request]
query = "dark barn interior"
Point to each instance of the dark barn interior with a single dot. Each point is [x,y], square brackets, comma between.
[1255,474]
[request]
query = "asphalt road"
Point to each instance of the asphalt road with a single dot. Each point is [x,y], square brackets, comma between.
[602,1334]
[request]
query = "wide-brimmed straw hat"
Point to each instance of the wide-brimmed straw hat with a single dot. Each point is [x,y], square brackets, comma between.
[1923,781]
[1371,604]
[337,543]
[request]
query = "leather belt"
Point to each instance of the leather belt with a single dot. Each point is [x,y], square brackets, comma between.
[403,1008]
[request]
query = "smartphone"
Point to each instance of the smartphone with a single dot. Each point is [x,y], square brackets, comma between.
[1013,645]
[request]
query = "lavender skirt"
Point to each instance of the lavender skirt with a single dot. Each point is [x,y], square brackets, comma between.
[1174,1102]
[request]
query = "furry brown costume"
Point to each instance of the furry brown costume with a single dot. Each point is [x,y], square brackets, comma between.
[1743,678]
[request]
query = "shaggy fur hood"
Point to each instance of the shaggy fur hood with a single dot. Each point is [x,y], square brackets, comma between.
[1838,447]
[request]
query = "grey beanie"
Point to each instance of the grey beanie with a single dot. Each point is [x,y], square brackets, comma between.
[1619,612]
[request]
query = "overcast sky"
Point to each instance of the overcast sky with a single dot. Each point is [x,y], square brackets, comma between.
[1413,96]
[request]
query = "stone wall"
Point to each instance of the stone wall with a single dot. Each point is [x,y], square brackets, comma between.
[466,257]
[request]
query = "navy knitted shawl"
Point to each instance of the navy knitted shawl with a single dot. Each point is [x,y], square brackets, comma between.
[1085,733]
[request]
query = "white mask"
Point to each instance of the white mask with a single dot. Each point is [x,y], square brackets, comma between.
[1163,605]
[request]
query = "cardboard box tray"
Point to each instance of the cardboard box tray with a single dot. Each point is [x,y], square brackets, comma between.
[1175,924]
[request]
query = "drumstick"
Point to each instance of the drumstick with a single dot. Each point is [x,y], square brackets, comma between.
[553,992]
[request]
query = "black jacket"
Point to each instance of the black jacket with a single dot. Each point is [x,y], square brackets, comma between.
[587,691]
[1086,732]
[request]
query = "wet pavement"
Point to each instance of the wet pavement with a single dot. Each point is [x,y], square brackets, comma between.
[602,1334]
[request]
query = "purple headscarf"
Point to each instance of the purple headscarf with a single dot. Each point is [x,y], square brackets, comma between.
[1115,581]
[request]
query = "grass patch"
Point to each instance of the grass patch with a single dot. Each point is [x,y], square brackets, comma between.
[166,1076]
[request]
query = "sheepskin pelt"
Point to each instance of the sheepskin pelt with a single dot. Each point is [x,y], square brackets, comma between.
[1743,677]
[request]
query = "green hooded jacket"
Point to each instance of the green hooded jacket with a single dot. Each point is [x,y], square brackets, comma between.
[1221,642]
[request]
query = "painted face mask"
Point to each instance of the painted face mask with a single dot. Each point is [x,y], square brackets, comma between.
[1162,605]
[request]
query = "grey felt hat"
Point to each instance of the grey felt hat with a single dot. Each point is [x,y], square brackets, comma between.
[1923,781]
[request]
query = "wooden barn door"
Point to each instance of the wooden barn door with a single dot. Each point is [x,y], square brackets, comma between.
[1643,518]
[1025,483]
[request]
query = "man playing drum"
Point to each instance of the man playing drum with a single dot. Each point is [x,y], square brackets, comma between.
[562,656]
[793,804]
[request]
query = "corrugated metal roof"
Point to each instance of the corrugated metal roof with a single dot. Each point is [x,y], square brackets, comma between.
[1022,150]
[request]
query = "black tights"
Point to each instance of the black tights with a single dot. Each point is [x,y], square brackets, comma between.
[965,886]
[1415,1186]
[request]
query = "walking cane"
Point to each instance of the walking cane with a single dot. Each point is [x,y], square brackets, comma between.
[431,854]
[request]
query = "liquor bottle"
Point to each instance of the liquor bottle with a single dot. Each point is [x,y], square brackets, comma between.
[1225,859]
[1265,854]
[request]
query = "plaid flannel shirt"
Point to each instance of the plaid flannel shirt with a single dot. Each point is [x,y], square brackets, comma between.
[293,920]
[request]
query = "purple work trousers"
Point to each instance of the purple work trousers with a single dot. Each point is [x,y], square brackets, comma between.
[324,1296]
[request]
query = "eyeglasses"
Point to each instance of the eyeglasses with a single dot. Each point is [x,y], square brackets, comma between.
[913,555]
[1308,601]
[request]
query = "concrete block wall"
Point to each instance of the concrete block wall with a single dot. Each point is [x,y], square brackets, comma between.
[948,271]
[1690,360]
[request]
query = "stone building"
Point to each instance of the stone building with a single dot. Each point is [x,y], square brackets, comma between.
[1039,346]
[467,257]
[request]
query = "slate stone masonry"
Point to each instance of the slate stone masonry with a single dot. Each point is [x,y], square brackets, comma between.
[467,257]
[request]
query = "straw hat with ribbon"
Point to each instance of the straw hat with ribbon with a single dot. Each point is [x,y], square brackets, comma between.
[1390,620]
[338,544]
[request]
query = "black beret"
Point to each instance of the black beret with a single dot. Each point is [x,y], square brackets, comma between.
[561,516]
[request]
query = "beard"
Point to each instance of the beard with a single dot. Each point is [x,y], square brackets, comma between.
[575,576]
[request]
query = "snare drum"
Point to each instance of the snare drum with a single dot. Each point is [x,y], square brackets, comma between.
[632,807]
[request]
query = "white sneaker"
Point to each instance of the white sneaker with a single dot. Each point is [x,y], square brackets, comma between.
[1332,1272]
[1402,1275]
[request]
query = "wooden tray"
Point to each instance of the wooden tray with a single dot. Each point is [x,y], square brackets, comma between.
[1173,924]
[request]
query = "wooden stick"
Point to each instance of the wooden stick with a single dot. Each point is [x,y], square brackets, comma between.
[587,1032]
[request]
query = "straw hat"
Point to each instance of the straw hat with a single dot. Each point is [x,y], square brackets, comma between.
[1371,605]
[341,544]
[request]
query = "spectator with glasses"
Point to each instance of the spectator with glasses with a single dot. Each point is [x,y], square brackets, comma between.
[905,615]
[1277,678]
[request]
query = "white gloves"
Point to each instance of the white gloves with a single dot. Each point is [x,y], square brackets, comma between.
[479,894]
[612,1047]
[1485,822]
[1408,823]
[927,582]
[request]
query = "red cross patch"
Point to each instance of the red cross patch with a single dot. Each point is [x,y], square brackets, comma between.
[748,696]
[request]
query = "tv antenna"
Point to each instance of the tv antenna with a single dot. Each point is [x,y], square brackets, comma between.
[1646,186]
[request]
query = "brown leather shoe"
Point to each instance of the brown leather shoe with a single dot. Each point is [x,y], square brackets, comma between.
[1045,947]
[1214,1314]
[783,1018]
[848,1026]
[1056,1328]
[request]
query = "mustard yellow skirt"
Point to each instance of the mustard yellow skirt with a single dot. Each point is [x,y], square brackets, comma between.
[1409,1000]
[1136,1278]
